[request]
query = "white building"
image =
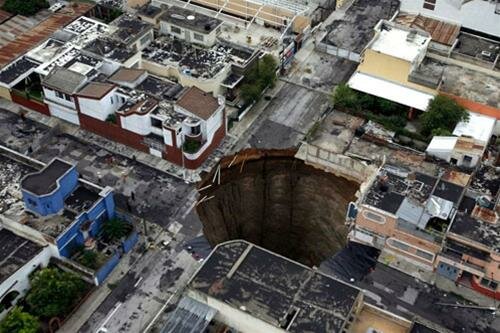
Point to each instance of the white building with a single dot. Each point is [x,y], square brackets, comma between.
[478,15]
[19,257]
[190,26]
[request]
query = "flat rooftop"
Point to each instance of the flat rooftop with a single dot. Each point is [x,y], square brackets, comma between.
[129,28]
[274,289]
[190,19]
[355,29]
[400,43]
[15,252]
[485,233]
[195,61]
[45,181]
[17,69]
[486,181]
[109,48]
[159,88]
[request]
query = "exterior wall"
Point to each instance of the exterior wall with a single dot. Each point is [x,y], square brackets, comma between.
[107,268]
[113,132]
[31,104]
[212,85]
[188,35]
[73,236]
[51,96]
[19,280]
[389,230]
[5,93]
[389,68]
[63,113]
[477,15]
[196,162]
[144,40]
[54,202]
[236,319]
[140,124]
[99,108]
[136,3]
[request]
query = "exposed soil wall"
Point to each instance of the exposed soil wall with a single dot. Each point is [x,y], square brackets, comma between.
[276,201]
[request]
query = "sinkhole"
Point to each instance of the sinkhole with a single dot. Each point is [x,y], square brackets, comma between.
[272,199]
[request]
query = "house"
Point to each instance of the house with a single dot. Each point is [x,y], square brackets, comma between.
[477,15]
[20,257]
[466,149]
[150,14]
[387,64]
[133,32]
[190,26]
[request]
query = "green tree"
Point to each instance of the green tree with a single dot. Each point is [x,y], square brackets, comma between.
[442,113]
[441,132]
[89,259]
[25,7]
[258,78]
[345,97]
[18,321]
[116,228]
[54,292]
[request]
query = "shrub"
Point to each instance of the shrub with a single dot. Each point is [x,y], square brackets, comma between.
[258,78]
[116,229]
[18,321]
[345,98]
[25,7]
[54,292]
[443,113]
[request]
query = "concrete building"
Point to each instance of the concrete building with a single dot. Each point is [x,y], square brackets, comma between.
[62,213]
[404,63]
[246,288]
[387,63]
[446,225]
[476,15]
[20,257]
[190,26]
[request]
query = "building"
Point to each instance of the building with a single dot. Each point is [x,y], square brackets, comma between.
[62,213]
[387,64]
[477,15]
[412,61]
[246,288]
[20,257]
[190,26]
[445,224]
[294,15]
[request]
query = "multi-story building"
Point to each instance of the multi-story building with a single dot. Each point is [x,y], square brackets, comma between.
[410,63]
[245,288]
[61,214]
[446,224]
[190,26]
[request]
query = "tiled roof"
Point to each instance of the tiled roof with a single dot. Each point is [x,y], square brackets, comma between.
[198,102]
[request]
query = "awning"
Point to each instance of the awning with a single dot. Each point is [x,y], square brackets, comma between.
[389,90]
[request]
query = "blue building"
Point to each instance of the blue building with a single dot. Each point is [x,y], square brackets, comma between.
[70,210]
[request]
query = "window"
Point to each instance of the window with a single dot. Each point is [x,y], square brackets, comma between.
[467,159]
[398,245]
[429,4]
[175,30]
[198,36]
[195,130]
[59,94]
[111,99]
[426,255]
[145,39]
[374,217]
[67,97]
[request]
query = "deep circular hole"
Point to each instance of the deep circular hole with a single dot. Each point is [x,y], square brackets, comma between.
[274,200]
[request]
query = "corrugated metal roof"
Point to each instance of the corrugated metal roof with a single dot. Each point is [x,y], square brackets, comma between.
[32,38]
[441,32]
